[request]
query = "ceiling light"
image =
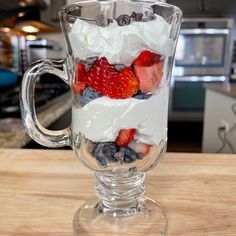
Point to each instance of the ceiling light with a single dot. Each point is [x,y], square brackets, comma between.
[31,37]
[5,29]
[30,29]
[21,14]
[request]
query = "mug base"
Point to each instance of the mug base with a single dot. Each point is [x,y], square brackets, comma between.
[92,218]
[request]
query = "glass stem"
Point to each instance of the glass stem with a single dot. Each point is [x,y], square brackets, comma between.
[120,191]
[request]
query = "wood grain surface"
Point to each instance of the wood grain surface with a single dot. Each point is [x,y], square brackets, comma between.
[40,191]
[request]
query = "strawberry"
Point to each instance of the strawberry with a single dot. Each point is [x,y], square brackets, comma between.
[124,137]
[146,58]
[148,68]
[140,147]
[104,78]
[79,86]
[149,77]
[81,72]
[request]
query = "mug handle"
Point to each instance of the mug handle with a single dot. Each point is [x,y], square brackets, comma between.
[36,131]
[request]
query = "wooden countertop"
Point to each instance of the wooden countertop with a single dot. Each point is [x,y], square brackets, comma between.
[53,111]
[40,191]
[228,89]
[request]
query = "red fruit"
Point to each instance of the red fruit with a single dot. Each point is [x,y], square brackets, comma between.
[147,58]
[124,137]
[148,68]
[79,86]
[104,78]
[140,147]
[81,72]
[149,77]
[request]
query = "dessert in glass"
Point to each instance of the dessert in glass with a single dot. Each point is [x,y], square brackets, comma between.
[119,61]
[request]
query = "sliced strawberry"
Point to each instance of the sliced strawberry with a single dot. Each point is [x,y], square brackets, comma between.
[79,85]
[149,77]
[140,147]
[104,78]
[81,72]
[148,68]
[124,137]
[147,58]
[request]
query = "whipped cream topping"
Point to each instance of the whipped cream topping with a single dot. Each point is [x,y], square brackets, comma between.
[102,119]
[120,44]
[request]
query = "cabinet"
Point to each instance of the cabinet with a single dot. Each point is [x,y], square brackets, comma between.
[205,7]
[219,114]
[189,7]
[224,7]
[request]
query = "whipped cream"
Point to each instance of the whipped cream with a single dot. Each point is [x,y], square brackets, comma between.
[120,44]
[102,119]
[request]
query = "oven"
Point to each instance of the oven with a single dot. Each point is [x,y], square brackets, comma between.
[203,55]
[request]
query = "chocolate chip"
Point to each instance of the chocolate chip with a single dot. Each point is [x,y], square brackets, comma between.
[133,14]
[123,20]
[77,60]
[102,21]
[87,66]
[119,67]
[149,16]
[119,156]
[137,16]
[91,60]
[140,156]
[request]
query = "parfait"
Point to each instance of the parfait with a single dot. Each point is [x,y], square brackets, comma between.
[120,94]
[119,61]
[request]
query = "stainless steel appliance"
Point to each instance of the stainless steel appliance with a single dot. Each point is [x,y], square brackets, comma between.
[9,98]
[13,55]
[43,48]
[203,55]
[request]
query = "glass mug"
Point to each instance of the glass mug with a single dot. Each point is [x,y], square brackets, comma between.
[118,65]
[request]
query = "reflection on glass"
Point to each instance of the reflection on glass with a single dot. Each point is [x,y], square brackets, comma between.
[200,50]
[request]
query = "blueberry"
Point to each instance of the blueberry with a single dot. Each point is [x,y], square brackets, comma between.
[90,146]
[123,20]
[137,16]
[129,155]
[101,160]
[149,16]
[141,95]
[119,67]
[88,95]
[104,153]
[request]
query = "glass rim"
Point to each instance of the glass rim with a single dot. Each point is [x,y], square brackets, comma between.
[66,8]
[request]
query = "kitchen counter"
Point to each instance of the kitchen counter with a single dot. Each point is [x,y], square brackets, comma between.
[40,190]
[51,112]
[228,89]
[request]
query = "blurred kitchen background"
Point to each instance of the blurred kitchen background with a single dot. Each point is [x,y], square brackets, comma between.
[202,111]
